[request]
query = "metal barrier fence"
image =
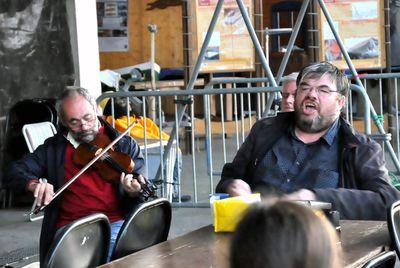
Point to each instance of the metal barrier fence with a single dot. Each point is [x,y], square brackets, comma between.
[220,116]
[382,90]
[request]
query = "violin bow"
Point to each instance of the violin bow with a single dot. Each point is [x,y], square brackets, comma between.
[88,165]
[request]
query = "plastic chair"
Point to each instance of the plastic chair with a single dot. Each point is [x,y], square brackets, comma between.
[25,112]
[82,243]
[21,113]
[148,225]
[386,259]
[393,219]
[35,134]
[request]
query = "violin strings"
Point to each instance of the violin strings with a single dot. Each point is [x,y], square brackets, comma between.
[145,187]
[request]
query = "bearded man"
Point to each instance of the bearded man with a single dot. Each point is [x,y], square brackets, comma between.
[313,153]
[90,193]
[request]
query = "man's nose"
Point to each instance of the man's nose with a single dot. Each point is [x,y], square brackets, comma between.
[313,92]
[85,126]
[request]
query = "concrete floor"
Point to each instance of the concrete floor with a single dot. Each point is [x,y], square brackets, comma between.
[19,238]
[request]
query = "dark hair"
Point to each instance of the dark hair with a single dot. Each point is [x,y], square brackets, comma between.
[285,234]
[121,107]
[317,70]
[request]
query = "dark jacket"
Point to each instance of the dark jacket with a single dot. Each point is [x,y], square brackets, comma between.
[364,191]
[47,161]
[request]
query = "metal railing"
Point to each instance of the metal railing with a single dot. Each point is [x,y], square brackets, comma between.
[220,117]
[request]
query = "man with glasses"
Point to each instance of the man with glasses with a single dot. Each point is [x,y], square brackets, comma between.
[313,153]
[90,193]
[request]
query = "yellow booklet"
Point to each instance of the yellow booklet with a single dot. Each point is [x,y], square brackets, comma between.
[228,211]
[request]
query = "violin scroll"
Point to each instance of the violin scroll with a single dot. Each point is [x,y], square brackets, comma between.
[148,190]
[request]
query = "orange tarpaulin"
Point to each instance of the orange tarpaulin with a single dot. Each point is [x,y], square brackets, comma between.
[152,130]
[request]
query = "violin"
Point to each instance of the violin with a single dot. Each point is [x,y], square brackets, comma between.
[148,188]
[111,164]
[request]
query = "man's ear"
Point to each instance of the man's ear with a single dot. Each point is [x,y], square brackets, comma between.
[342,101]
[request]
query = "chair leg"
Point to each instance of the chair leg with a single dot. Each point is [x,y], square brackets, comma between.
[10,197]
[3,198]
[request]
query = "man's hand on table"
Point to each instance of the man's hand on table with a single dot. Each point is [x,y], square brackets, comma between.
[302,194]
[238,187]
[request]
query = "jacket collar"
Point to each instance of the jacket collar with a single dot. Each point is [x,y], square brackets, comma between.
[111,132]
[349,134]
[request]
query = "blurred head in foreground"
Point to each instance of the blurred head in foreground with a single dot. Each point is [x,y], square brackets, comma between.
[286,235]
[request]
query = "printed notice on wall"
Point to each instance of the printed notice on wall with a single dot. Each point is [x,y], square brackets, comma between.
[359,24]
[112,19]
[364,11]
[230,47]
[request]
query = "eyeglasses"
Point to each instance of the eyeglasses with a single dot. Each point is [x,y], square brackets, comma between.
[321,91]
[286,95]
[86,120]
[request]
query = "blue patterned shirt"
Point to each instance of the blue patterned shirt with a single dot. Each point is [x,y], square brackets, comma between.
[291,164]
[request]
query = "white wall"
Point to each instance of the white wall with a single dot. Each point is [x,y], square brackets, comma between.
[84,44]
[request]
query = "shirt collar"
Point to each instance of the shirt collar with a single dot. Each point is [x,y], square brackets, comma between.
[72,140]
[333,130]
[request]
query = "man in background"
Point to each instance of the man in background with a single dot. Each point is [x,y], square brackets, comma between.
[288,92]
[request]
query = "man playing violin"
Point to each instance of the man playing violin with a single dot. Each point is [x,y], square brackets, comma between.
[88,194]
[313,153]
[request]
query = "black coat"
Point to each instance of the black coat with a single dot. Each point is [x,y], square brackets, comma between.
[47,161]
[364,191]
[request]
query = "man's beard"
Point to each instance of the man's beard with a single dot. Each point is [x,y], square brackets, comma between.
[316,124]
[85,135]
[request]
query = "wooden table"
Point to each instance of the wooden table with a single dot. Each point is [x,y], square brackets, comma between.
[360,240]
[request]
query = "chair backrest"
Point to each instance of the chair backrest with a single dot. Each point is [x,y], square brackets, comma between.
[386,259]
[393,219]
[35,134]
[82,243]
[25,112]
[148,225]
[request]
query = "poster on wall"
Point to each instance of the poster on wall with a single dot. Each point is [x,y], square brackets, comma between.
[35,54]
[112,23]
[359,25]
[230,47]
[36,63]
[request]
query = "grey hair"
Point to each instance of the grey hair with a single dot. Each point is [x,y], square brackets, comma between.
[289,78]
[72,91]
[317,70]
